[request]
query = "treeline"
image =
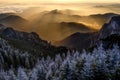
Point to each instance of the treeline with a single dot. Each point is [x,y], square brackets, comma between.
[98,65]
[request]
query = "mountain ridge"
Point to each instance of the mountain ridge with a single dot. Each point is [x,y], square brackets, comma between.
[92,39]
[29,42]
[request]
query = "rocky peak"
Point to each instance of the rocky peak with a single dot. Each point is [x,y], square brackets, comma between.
[55,12]
[113,27]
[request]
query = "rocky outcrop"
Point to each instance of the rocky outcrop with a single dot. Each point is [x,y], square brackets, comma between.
[109,33]
[113,27]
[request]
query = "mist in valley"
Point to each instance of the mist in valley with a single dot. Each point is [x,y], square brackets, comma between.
[54,22]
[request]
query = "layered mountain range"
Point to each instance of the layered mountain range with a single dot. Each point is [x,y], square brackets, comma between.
[107,35]
[56,22]
[80,34]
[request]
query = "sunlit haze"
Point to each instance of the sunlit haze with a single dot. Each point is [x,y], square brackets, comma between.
[59,17]
[61,1]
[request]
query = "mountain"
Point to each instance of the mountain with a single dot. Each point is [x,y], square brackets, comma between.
[3,15]
[113,27]
[52,16]
[56,22]
[24,49]
[67,16]
[78,41]
[59,22]
[110,32]
[77,27]
[102,18]
[108,35]
[106,15]
[30,42]
[97,20]
[57,30]
[13,20]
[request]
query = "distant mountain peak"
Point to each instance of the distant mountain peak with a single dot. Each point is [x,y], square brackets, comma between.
[56,11]
[105,14]
[13,17]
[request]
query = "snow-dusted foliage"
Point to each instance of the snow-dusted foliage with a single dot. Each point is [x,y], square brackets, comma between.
[13,58]
[98,65]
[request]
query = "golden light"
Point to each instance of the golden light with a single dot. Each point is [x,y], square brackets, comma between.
[65,0]
[61,1]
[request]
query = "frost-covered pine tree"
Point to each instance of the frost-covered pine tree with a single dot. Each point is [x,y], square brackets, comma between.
[22,75]
[12,75]
[98,65]
[33,75]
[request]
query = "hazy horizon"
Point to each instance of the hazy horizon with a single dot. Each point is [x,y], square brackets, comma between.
[60,1]
[79,8]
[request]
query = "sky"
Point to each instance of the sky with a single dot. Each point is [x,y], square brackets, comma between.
[60,1]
